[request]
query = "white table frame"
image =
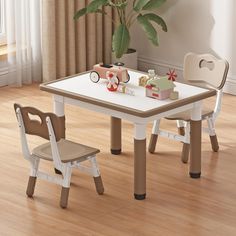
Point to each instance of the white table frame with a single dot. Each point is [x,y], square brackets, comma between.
[60,98]
[139,134]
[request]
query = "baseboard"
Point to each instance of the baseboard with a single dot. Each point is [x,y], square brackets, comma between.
[230,85]
[3,81]
[145,63]
[161,68]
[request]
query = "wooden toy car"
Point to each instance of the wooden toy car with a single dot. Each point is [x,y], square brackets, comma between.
[100,70]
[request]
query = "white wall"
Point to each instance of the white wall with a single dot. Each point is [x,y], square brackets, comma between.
[201,26]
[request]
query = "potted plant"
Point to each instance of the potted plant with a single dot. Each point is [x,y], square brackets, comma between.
[128,11]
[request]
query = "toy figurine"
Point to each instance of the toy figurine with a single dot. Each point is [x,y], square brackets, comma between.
[144,79]
[113,81]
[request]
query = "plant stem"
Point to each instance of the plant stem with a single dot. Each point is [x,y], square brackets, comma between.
[131,19]
[118,11]
[124,15]
[110,17]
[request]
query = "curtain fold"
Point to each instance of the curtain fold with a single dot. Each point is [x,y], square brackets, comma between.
[69,46]
[23,63]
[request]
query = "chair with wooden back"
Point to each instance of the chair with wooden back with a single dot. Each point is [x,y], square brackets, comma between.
[64,154]
[205,71]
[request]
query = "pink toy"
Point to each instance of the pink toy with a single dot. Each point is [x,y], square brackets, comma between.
[113,81]
[100,70]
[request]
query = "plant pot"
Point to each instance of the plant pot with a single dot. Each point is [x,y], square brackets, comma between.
[130,59]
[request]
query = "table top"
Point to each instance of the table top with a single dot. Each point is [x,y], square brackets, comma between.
[80,87]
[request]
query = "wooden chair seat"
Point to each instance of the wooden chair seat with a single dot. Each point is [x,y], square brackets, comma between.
[68,150]
[186,115]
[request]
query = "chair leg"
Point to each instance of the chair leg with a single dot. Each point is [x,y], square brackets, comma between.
[31,186]
[186,143]
[64,197]
[152,143]
[185,152]
[214,143]
[65,185]
[212,134]
[96,176]
[32,178]
[180,125]
[99,184]
[154,136]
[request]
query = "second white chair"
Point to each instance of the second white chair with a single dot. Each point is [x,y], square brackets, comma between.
[206,71]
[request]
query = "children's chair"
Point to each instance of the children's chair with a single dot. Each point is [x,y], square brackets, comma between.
[205,71]
[64,154]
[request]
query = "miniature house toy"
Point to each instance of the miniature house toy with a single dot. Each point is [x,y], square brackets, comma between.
[159,88]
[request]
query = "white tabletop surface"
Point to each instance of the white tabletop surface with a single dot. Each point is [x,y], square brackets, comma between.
[82,85]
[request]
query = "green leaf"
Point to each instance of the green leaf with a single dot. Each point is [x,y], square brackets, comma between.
[140,4]
[121,40]
[95,4]
[80,13]
[153,4]
[149,29]
[157,19]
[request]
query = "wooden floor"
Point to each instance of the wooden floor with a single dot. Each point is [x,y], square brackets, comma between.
[175,204]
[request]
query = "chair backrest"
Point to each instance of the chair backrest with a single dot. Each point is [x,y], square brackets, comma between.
[35,122]
[205,68]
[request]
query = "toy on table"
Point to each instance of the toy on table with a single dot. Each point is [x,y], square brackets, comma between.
[171,75]
[112,81]
[159,88]
[144,79]
[113,84]
[174,95]
[124,89]
[100,70]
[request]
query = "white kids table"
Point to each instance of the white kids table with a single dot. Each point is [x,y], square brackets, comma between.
[80,91]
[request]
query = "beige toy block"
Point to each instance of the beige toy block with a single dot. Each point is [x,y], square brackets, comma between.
[174,95]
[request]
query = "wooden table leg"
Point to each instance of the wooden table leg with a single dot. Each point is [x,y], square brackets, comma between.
[140,161]
[115,136]
[195,141]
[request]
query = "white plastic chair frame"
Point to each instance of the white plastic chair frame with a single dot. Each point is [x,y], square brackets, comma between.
[64,167]
[207,71]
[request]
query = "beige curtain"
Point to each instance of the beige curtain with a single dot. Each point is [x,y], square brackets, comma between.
[69,46]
